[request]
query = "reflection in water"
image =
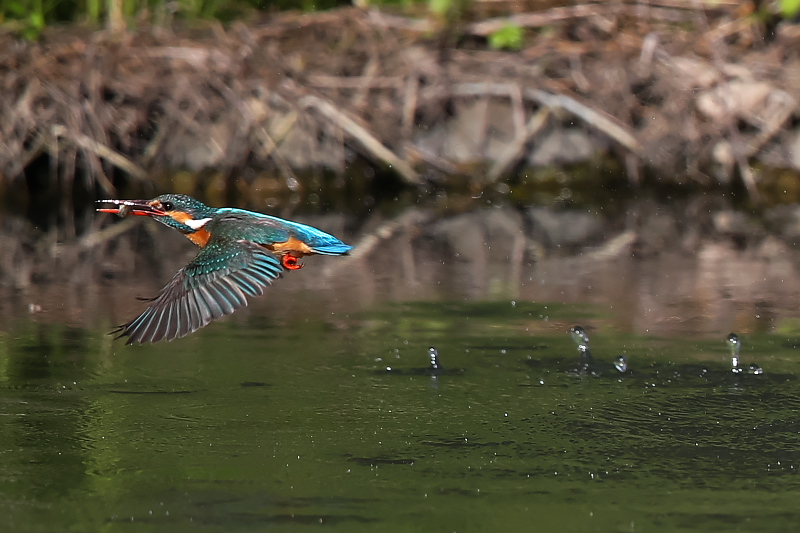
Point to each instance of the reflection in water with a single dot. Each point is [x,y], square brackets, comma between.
[707,287]
[183,436]
[42,438]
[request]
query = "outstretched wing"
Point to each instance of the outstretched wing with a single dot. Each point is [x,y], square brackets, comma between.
[214,284]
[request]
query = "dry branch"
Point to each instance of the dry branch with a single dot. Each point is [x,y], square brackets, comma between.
[411,94]
[115,158]
[515,150]
[269,150]
[354,82]
[409,219]
[597,119]
[559,14]
[362,135]
[167,100]
[95,238]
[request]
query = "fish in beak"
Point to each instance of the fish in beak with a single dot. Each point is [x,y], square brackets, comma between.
[130,207]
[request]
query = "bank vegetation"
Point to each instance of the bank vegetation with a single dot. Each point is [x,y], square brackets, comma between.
[666,91]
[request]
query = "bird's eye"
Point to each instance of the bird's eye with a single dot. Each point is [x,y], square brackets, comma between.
[167,206]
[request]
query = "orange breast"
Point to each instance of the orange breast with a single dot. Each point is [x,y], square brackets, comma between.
[180,216]
[199,237]
[293,246]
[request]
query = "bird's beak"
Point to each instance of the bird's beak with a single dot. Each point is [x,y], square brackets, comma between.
[130,207]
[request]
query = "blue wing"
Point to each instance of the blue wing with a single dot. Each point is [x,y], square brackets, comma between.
[266,229]
[319,241]
[214,284]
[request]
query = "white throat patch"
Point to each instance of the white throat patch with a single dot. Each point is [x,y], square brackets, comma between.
[197,224]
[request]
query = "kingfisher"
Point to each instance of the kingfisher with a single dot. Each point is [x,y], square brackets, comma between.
[241,253]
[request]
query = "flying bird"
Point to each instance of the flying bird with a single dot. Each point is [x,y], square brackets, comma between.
[241,253]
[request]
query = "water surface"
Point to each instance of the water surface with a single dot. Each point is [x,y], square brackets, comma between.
[291,422]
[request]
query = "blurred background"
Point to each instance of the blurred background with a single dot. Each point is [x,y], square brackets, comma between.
[503,169]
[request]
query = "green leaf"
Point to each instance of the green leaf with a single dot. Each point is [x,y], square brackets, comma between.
[789,8]
[440,7]
[31,33]
[36,20]
[509,37]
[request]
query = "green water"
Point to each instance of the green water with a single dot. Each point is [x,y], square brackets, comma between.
[257,424]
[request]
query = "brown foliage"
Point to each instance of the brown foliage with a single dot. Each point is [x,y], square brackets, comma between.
[677,87]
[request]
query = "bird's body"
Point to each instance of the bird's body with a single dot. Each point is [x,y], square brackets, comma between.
[242,252]
[275,234]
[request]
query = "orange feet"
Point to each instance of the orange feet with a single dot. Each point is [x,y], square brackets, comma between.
[290,262]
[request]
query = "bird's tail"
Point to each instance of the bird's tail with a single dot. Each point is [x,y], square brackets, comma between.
[332,248]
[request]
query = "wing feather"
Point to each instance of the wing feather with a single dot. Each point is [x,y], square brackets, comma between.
[215,283]
[196,313]
[173,324]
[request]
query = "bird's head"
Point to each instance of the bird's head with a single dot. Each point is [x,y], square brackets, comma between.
[178,211]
